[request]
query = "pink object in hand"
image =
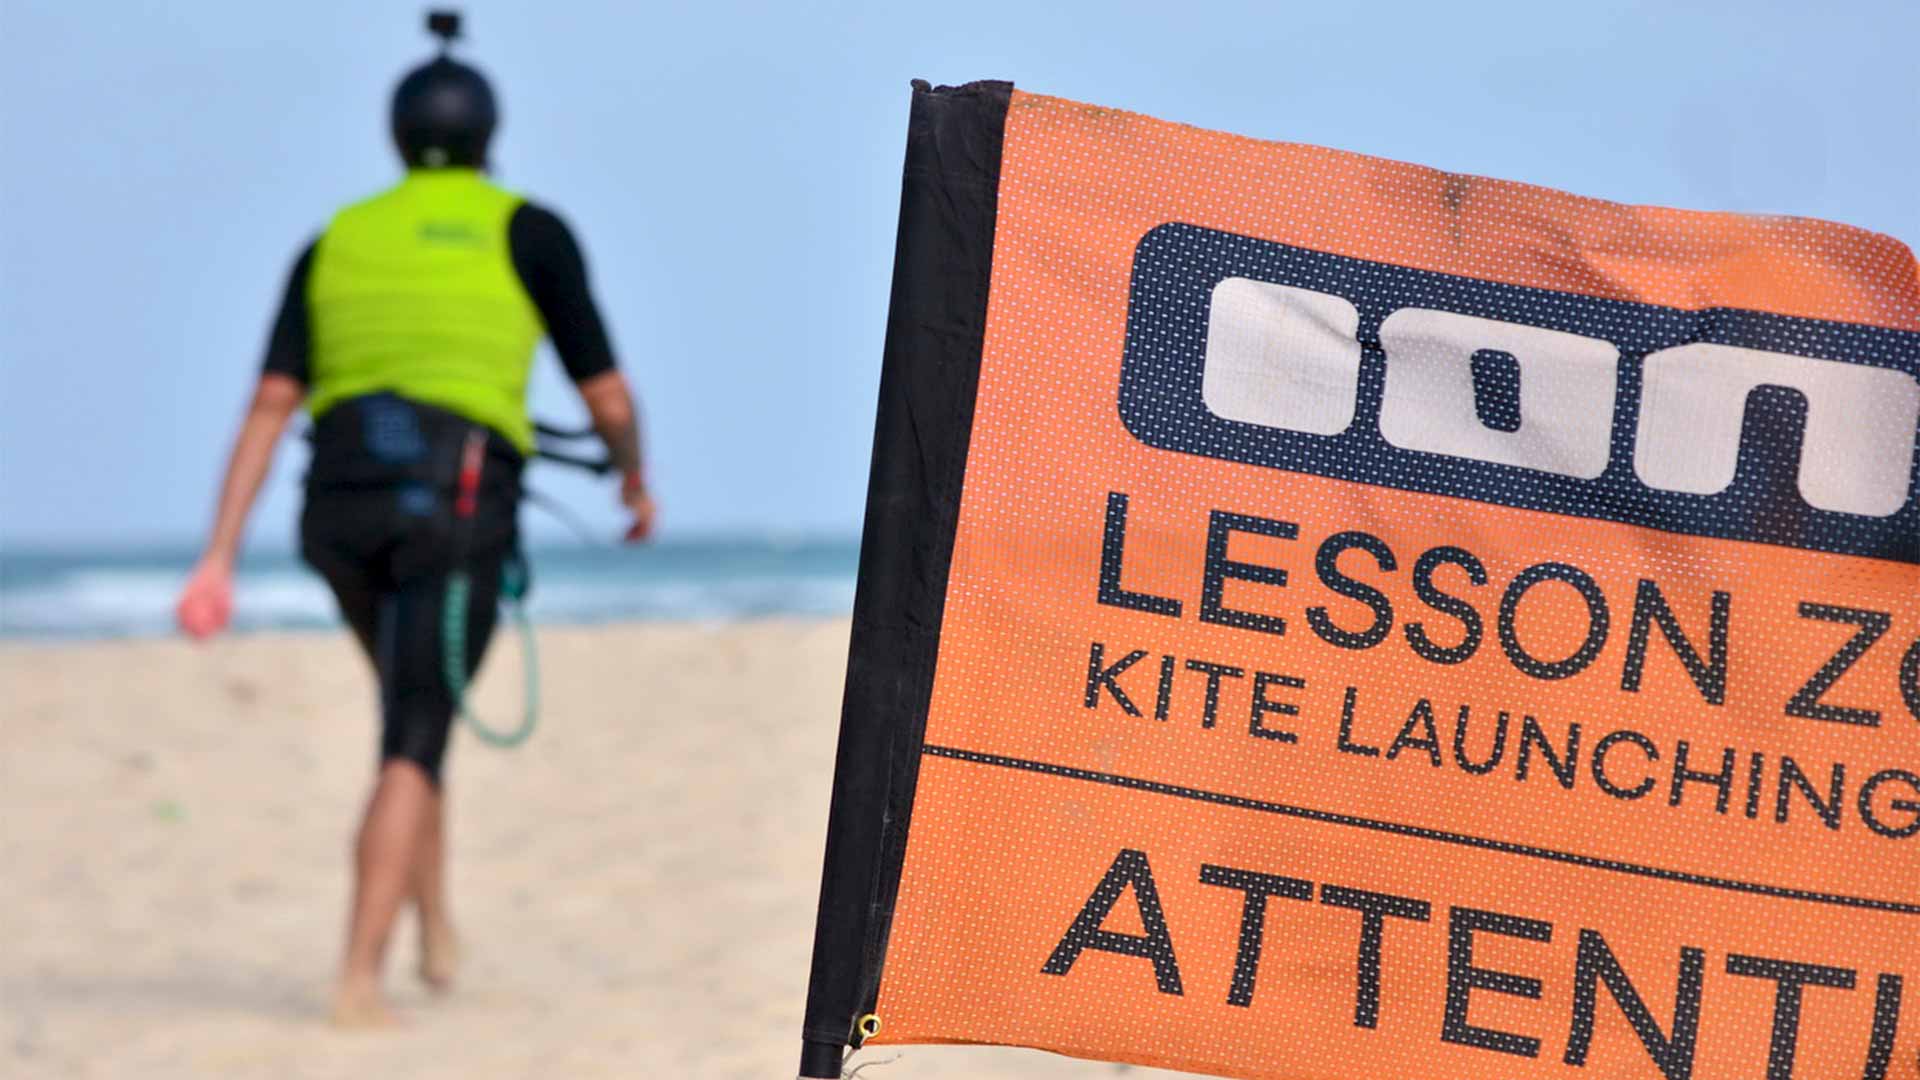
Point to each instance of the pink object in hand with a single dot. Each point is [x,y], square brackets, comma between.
[206,604]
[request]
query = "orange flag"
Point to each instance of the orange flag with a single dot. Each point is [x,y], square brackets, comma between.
[1324,617]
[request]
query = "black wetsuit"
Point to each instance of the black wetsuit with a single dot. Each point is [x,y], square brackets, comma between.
[378,522]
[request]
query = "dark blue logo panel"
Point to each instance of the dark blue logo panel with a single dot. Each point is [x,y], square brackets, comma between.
[1724,423]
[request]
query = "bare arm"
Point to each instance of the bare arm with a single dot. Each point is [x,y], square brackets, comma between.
[610,404]
[274,402]
[208,598]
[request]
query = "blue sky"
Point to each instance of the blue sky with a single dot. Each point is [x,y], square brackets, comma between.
[733,170]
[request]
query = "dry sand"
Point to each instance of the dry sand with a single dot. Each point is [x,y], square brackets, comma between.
[635,886]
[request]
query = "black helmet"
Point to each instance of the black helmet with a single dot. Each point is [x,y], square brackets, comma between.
[443,111]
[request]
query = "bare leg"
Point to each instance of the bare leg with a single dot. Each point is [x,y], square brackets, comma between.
[439,947]
[390,836]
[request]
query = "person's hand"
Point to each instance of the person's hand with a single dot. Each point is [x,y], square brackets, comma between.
[633,495]
[206,603]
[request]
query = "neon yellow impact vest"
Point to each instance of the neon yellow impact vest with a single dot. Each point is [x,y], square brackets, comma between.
[413,292]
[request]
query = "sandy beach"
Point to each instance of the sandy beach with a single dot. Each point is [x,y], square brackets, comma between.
[635,886]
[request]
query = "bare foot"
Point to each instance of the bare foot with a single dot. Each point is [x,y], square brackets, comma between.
[439,956]
[358,1006]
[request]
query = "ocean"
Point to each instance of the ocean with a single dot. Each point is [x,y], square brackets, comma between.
[63,594]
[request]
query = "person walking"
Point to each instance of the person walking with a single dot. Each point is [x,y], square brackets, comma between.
[408,331]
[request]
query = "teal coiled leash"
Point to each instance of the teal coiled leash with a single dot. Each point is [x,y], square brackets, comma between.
[453,613]
[453,633]
[514,581]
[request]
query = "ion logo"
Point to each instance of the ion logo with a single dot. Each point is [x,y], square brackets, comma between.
[1725,423]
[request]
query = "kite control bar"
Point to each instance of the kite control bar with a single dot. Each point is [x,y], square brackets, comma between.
[599,466]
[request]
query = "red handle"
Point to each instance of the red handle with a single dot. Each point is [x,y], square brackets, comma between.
[471,458]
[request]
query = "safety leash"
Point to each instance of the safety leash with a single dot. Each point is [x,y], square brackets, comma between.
[453,613]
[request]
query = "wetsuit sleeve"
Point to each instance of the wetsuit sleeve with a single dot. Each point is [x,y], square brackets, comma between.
[289,346]
[555,275]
